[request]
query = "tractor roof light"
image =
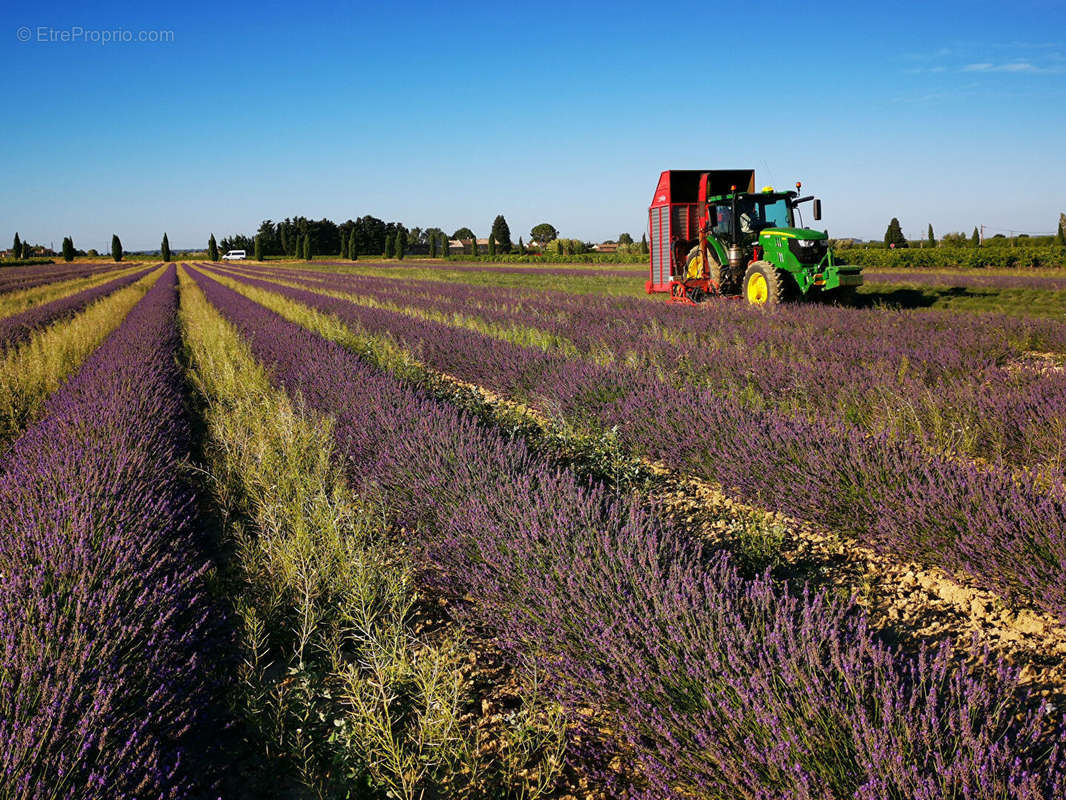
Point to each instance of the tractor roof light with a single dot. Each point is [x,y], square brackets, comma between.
[799,185]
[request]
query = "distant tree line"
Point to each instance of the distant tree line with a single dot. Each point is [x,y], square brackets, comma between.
[292,236]
[894,238]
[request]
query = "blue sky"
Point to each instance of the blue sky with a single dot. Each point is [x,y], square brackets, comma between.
[445,115]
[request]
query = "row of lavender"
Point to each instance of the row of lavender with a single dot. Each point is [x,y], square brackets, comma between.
[712,685]
[1006,530]
[105,628]
[19,327]
[18,278]
[951,383]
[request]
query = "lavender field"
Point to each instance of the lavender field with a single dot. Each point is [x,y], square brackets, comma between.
[283,532]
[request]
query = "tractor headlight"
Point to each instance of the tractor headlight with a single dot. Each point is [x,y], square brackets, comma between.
[806,242]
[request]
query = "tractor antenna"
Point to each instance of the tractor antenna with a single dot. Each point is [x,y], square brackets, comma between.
[766,167]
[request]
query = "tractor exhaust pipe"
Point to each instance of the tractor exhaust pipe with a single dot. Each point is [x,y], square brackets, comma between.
[736,257]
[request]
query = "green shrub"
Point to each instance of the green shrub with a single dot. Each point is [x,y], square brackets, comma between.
[987,256]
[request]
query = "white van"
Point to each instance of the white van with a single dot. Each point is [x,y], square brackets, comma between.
[235,255]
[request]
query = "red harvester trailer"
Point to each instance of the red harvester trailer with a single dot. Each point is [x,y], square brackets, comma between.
[672,218]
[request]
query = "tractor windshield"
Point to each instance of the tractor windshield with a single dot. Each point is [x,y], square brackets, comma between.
[755,213]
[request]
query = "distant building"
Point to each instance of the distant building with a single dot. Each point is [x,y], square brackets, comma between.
[606,247]
[463,246]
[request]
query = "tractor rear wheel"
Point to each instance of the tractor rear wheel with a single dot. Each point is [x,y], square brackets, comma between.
[718,276]
[763,285]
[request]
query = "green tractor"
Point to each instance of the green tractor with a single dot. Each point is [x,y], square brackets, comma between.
[712,234]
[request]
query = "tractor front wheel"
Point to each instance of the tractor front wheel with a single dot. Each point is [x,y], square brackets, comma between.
[763,285]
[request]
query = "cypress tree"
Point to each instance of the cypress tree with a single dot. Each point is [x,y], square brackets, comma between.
[1060,238]
[975,240]
[932,239]
[68,249]
[164,248]
[258,247]
[521,247]
[16,247]
[212,249]
[894,234]
[445,248]
[501,232]
[644,244]
[307,247]
[473,245]
[492,246]
[401,243]
[432,246]
[388,246]
[116,248]
[353,251]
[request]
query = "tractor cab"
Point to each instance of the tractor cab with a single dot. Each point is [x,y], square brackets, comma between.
[756,212]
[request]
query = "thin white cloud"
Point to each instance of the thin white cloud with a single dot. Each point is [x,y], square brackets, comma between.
[1009,66]
[1025,45]
[1019,58]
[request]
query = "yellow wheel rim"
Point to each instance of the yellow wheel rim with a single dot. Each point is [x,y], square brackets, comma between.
[695,267]
[757,291]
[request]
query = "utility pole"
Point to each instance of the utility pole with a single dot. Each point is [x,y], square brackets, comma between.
[982,234]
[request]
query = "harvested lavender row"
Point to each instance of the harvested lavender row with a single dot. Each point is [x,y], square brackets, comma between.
[932,345]
[1008,531]
[635,271]
[968,397]
[17,328]
[17,279]
[713,685]
[973,279]
[929,339]
[103,615]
